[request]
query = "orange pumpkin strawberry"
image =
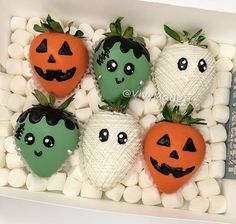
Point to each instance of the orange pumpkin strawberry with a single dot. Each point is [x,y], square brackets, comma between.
[173,149]
[59,60]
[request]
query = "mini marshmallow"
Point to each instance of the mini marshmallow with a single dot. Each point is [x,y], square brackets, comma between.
[74,159]
[29,102]
[207,115]
[87,83]
[72,187]
[145,179]
[14,66]
[218,133]
[27,72]
[4,95]
[35,183]
[4,177]
[73,30]
[199,204]
[18,23]
[115,194]
[208,102]
[213,47]
[17,177]
[139,164]
[220,113]
[131,178]
[218,204]
[221,96]
[94,100]
[5,80]
[30,25]
[16,102]
[22,37]
[224,79]
[136,106]
[207,157]
[149,90]
[147,42]
[14,118]
[98,35]
[226,51]
[217,169]
[208,188]
[204,132]
[224,65]
[18,84]
[132,194]
[13,160]
[76,173]
[154,53]
[189,191]
[83,114]
[26,51]
[151,196]
[5,128]
[16,51]
[202,173]
[147,121]
[173,200]
[218,151]
[152,106]
[81,99]
[2,148]
[90,191]
[9,145]
[2,159]
[87,30]
[30,86]
[5,114]
[158,41]
[56,182]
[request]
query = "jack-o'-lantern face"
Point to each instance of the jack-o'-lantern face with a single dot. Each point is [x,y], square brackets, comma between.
[59,61]
[173,153]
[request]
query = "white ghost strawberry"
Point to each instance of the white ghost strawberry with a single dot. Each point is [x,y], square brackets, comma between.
[110,144]
[185,71]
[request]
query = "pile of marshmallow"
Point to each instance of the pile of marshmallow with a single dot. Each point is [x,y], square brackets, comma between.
[202,193]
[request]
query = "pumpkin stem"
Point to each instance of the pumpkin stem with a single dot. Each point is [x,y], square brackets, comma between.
[185,37]
[176,116]
[116,30]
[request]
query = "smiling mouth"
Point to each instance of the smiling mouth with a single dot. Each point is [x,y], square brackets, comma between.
[120,81]
[40,153]
[59,75]
[165,169]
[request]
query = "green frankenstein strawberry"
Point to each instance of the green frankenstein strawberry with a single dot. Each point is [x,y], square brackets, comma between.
[46,135]
[121,62]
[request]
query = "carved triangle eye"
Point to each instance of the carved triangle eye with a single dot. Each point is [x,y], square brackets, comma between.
[189,146]
[42,48]
[164,140]
[65,49]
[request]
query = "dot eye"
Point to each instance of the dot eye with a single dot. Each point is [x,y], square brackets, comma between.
[49,141]
[202,65]
[129,69]
[65,49]
[182,64]
[103,135]
[42,48]
[111,65]
[29,139]
[122,138]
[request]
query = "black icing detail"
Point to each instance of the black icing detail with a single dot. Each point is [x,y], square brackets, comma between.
[174,155]
[51,59]
[65,49]
[42,48]
[189,146]
[125,46]
[53,116]
[182,64]
[29,139]
[129,69]
[164,140]
[103,135]
[112,65]
[122,138]
[49,141]
[119,81]
[165,169]
[202,65]
[20,131]
[59,75]
[38,154]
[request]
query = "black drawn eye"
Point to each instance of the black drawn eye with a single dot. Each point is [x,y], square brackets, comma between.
[164,140]
[182,64]
[49,141]
[122,138]
[65,49]
[111,65]
[129,69]
[202,65]
[29,139]
[103,135]
[42,48]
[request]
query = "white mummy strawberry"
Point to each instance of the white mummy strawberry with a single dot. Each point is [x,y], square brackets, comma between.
[110,144]
[185,71]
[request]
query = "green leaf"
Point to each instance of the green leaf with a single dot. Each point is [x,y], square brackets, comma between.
[118,25]
[49,19]
[186,33]
[110,34]
[196,34]
[172,33]
[128,32]
[56,27]
[42,99]
[79,34]
[189,110]
[113,28]
[69,27]
[64,105]
[40,29]
[52,100]
[167,112]
[200,39]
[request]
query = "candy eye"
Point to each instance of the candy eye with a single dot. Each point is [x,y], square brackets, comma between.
[103,135]
[202,65]
[111,65]
[65,49]
[42,48]
[122,138]
[49,141]
[129,69]
[29,139]
[182,64]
